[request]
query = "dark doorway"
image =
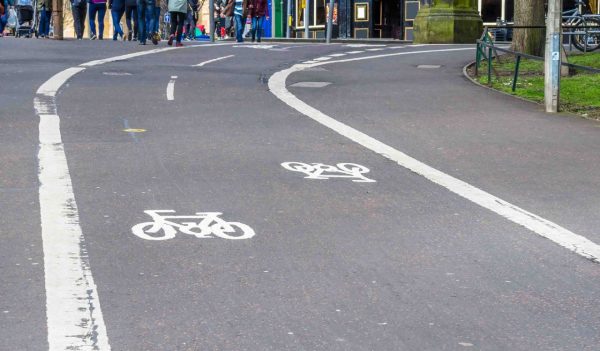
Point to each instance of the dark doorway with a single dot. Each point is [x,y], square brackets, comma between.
[387,19]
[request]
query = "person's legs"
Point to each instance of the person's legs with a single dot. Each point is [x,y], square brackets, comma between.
[156,26]
[92,19]
[254,26]
[76,21]
[43,17]
[101,14]
[149,18]
[180,20]
[141,22]
[259,24]
[116,18]
[128,12]
[239,28]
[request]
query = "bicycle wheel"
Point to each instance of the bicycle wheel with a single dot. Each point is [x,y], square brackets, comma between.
[232,230]
[589,42]
[151,231]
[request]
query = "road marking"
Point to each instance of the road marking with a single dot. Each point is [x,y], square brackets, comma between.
[74,315]
[429,66]
[337,55]
[354,52]
[376,49]
[73,312]
[323,171]
[51,86]
[324,58]
[364,45]
[310,84]
[171,89]
[547,229]
[134,130]
[213,60]
[203,225]
[116,73]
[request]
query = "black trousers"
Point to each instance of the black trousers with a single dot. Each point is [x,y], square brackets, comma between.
[79,13]
[131,12]
[177,19]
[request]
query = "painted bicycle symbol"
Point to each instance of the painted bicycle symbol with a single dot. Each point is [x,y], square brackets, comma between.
[204,225]
[323,171]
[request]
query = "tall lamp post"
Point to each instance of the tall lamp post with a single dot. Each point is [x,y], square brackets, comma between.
[329,21]
[552,57]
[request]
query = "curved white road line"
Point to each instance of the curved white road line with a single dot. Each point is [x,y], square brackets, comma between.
[539,225]
[74,316]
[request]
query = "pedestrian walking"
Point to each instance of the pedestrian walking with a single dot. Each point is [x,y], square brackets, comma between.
[117,9]
[44,7]
[79,9]
[146,21]
[97,7]
[178,10]
[4,14]
[238,10]
[258,10]
[156,26]
[192,18]
[228,14]
[131,14]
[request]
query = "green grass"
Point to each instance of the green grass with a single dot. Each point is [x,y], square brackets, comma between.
[579,93]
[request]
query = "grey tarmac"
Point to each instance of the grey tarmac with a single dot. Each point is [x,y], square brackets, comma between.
[397,264]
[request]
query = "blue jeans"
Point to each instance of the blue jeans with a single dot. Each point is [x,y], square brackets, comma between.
[156,19]
[257,23]
[116,18]
[45,22]
[101,10]
[240,23]
[145,19]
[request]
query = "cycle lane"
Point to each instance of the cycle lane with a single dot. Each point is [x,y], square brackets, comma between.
[318,274]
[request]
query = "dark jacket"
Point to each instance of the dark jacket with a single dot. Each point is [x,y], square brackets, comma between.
[131,3]
[258,8]
[116,5]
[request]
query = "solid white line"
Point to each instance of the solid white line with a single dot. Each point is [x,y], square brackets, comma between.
[171,89]
[213,60]
[337,55]
[74,315]
[324,58]
[51,86]
[538,225]
[354,52]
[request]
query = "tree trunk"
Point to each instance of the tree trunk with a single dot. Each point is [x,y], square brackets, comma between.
[529,13]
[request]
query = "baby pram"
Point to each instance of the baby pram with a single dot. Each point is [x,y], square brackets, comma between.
[26,16]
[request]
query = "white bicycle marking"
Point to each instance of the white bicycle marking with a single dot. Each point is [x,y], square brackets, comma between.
[323,171]
[202,225]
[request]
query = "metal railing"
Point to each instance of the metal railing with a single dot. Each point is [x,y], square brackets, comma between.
[486,50]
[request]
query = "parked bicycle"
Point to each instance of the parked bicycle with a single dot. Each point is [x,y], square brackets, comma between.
[583,27]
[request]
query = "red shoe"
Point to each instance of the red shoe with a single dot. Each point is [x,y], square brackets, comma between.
[171,38]
[179,45]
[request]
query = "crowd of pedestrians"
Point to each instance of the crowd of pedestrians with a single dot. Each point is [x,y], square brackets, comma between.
[142,18]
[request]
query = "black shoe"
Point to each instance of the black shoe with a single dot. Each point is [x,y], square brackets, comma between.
[93,37]
[129,35]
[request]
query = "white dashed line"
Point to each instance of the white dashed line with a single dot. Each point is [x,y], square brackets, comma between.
[213,60]
[552,231]
[337,55]
[354,52]
[171,89]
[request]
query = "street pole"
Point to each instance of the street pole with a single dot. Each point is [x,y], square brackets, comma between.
[552,57]
[211,16]
[288,30]
[306,18]
[57,18]
[330,21]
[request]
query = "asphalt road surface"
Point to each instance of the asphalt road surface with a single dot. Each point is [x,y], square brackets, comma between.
[314,197]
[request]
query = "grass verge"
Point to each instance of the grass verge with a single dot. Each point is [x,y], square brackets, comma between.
[579,92]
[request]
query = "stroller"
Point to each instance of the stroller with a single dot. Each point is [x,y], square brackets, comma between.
[26,18]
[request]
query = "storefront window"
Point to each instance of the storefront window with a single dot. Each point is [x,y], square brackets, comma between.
[491,10]
[317,15]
